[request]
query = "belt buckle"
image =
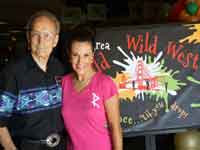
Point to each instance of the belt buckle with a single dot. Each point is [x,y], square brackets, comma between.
[53,140]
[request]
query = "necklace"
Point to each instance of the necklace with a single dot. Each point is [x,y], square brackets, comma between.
[81,84]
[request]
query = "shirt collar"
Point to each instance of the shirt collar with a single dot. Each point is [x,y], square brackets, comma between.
[32,64]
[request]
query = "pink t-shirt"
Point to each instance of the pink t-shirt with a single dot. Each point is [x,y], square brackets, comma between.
[84,113]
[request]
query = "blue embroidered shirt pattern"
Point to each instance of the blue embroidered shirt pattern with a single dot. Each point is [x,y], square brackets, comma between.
[7,102]
[31,100]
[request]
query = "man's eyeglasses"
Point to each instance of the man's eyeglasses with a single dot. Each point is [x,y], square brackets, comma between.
[46,35]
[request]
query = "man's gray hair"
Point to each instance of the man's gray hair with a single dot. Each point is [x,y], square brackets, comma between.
[43,13]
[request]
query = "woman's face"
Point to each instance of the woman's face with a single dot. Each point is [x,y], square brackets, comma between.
[81,57]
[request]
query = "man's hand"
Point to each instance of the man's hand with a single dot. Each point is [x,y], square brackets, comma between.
[6,140]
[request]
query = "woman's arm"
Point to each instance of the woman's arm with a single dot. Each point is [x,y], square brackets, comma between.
[5,139]
[113,116]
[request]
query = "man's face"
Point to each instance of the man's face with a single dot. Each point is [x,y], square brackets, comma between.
[42,37]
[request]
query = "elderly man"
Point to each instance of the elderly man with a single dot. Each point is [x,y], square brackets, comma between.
[30,96]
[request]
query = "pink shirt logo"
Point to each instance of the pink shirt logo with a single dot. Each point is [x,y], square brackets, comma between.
[95,98]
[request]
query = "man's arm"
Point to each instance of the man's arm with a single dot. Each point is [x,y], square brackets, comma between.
[8,90]
[6,140]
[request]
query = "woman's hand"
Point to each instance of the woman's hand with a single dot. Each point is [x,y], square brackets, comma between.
[113,115]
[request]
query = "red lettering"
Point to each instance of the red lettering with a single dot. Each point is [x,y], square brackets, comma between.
[171,50]
[143,44]
[153,47]
[132,42]
[103,63]
[96,65]
[195,65]
[146,42]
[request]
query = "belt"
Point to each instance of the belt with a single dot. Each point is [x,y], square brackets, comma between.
[52,140]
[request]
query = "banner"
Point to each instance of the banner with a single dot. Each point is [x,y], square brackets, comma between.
[157,71]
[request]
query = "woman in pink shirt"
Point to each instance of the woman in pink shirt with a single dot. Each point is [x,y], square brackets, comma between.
[90,100]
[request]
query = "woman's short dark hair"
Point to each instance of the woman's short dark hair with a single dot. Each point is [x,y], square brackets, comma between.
[81,33]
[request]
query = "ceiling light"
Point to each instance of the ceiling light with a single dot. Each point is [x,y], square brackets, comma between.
[15,31]
[3,22]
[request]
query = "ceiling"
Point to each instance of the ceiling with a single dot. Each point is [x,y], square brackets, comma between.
[16,12]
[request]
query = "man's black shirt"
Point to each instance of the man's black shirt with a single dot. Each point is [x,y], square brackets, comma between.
[30,99]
